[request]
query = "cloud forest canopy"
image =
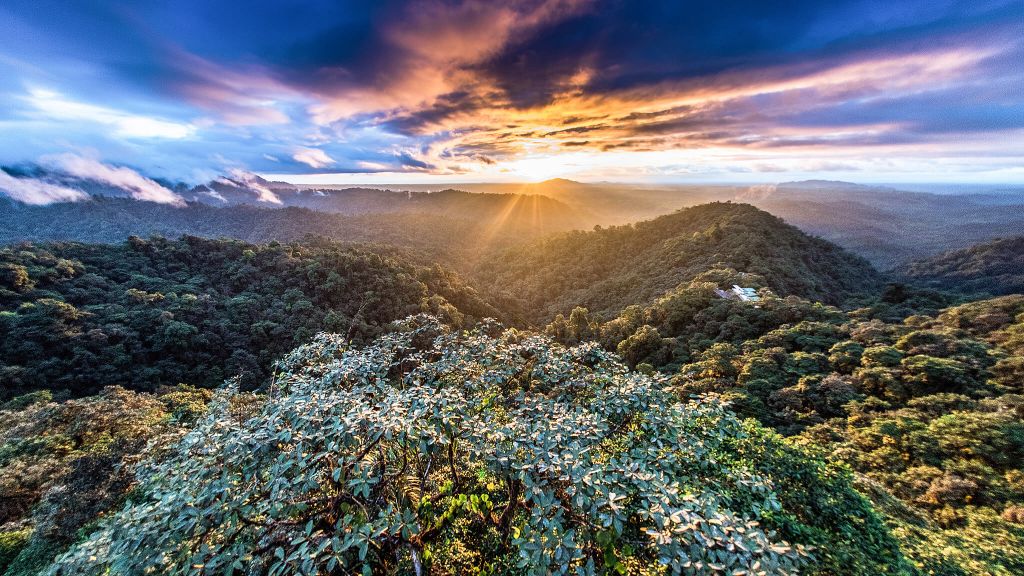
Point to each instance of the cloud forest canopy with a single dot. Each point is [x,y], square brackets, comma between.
[608,269]
[152,313]
[447,451]
[919,398]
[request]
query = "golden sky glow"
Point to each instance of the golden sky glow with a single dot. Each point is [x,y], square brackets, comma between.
[469,90]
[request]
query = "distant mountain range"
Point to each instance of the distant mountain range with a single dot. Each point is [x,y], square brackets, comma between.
[455,227]
[885,224]
[888,226]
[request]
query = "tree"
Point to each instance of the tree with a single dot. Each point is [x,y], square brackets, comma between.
[430,448]
[641,345]
[928,375]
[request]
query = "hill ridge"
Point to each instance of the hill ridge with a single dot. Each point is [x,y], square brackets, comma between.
[995,267]
[608,269]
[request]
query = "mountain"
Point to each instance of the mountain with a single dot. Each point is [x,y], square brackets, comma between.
[608,269]
[819,185]
[523,208]
[614,203]
[253,190]
[455,227]
[800,423]
[604,203]
[994,268]
[517,209]
[888,226]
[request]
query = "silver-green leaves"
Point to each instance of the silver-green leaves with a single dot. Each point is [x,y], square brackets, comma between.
[431,448]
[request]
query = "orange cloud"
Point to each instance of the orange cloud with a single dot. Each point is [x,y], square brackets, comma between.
[734,110]
[438,44]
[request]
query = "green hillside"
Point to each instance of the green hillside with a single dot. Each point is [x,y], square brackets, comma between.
[833,426]
[928,411]
[490,449]
[608,269]
[995,268]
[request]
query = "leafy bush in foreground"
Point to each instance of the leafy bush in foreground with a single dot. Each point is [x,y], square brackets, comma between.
[481,452]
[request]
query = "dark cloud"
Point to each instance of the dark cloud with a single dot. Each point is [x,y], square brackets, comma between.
[409,162]
[577,130]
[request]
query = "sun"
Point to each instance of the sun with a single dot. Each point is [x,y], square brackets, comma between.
[533,169]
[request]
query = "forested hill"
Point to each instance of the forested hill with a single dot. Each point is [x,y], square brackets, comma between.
[148,313]
[487,448]
[608,269]
[995,267]
[455,229]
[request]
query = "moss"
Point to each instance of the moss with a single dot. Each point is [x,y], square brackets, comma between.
[11,544]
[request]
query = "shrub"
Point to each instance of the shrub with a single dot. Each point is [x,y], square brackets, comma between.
[437,450]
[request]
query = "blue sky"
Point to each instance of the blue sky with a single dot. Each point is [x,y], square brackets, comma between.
[435,90]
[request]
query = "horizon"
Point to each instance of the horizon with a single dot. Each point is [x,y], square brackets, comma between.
[462,91]
[313,180]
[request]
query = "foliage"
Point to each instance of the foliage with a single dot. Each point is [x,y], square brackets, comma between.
[63,464]
[929,406]
[501,451]
[609,269]
[149,313]
[491,449]
[995,268]
[690,319]
[11,544]
[981,543]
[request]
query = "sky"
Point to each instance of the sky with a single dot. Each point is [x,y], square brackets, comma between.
[421,91]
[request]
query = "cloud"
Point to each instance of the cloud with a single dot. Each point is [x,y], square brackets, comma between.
[215,195]
[254,183]
[756,192]
[136,185]
[430,49]
[51,105]
[732,110]
[38,192]
[239,97]
[452,88]
[313,157]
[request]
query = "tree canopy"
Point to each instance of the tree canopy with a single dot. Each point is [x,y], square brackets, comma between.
[608,269]
[489,449]
[993,268]
[157,312]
